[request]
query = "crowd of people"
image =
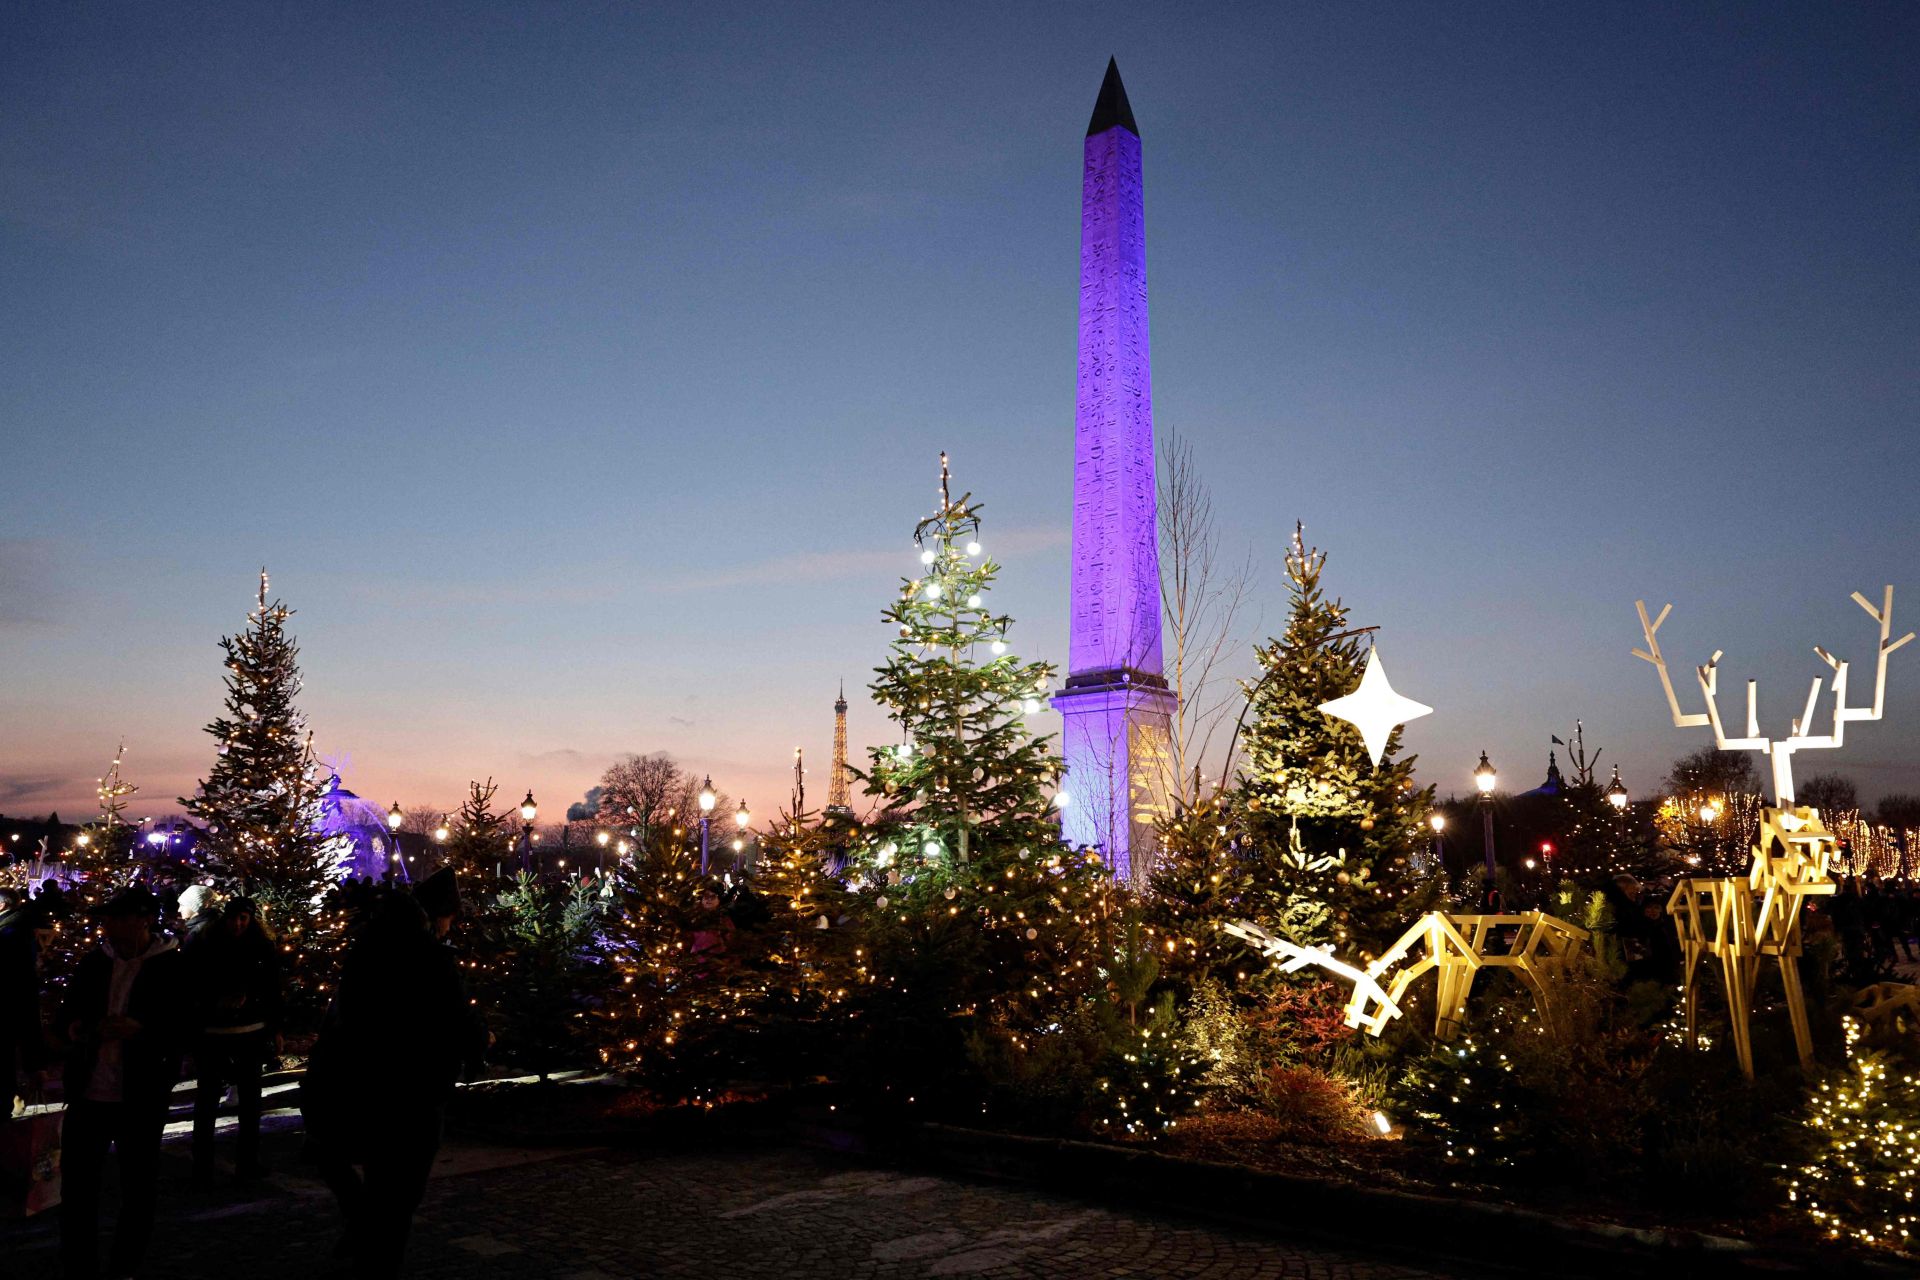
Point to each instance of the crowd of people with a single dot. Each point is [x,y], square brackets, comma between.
[201,986]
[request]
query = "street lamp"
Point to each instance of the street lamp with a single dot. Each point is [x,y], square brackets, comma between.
[1616,792]
[1709,809]
[394,819]
[600,855]
[1438,821]
[528,812]
[707,801]
[1486,777]
[440,833]
[740,820]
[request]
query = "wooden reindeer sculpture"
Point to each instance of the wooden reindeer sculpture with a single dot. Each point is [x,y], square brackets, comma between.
[1533,944]
[1742,922]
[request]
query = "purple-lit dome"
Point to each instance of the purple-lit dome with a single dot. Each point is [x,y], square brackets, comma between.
[361,826]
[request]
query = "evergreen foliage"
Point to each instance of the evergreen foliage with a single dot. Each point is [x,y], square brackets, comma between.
[261,800]
[1864,1175]
[540,969]
[1332,839]
[479,842]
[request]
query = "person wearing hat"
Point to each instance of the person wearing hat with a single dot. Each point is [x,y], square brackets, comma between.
[396,1040]
[122,1021]
[198,911]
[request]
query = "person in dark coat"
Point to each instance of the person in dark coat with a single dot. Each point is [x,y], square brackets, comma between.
[25,929]
[399,1035]
[235,970]
[123,1020]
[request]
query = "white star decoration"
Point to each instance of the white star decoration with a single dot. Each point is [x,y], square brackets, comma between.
[1374,708]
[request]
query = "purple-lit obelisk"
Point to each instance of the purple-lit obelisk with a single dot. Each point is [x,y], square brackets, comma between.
[1116,705]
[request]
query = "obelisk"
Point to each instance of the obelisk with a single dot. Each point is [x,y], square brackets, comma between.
[1116,705]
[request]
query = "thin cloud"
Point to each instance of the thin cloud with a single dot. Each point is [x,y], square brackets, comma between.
[813,567]
[15,789]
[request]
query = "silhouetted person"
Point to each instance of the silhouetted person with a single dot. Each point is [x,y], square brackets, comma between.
[397,1038]
[25,929]
[235,971]
[122,1019]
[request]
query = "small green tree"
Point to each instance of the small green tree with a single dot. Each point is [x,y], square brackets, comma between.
[538,969]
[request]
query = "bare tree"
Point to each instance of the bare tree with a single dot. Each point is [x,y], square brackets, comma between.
[1200,596]
[421,820]
[1830,793]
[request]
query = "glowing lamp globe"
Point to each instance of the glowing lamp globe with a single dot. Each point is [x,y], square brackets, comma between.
[1485,776]
[741,817]
[393,817]
[440,833]
[973,548]
[1438,821]
[528,809]
[601,838]
[1616,792]
[707,799]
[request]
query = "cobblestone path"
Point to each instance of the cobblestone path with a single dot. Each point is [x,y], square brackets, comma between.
[777,1214]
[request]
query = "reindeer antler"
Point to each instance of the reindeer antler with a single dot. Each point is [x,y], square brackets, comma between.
[1799,739]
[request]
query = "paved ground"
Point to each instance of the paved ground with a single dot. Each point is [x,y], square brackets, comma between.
[613,1214]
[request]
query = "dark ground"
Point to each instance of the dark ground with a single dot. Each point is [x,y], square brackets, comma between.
[593,1215]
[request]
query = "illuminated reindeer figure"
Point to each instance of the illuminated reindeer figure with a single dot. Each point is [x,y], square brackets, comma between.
[1743,922]
[1533,944]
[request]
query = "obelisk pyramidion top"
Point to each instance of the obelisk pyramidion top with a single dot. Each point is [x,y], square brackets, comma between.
[1111,109]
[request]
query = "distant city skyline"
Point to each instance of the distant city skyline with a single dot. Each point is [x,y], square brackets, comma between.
[579,375]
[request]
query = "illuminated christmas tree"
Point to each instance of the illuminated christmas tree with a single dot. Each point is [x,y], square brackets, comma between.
[1331,836]
[1863,1179]
[986,931]
[261,800]
[261,805]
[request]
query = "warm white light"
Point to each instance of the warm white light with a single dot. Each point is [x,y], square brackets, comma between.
[1484,775]
[926,557]
[999,647]
[1438,821]
[601,839]
[973,548]
[393,817]
[931,848]
[1383,1125]
[707,800]
[740,816]
[622,848]
[1375,709]
[973,601]
[933,591]
[529,810]
[83,839]
[1709,811]
[1029,706]
[1061,799]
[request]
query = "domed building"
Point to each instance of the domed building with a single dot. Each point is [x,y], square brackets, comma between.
[358,830]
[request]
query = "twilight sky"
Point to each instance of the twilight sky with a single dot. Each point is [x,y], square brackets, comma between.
[579,370]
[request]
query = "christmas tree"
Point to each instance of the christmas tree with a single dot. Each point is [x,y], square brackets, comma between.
[985,930]
[261,806]
[968,772]
[1864,1129]
[1199,884]
[1331,837]
[479,844]
[261,800]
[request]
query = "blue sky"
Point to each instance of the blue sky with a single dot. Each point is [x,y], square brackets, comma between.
[580,370]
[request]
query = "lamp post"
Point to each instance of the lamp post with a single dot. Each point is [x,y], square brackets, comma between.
[1485,777]
[528,812]
[706,815]
[394,819]
[1616,791]
[740,820]
[600,838]
[1438,821]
